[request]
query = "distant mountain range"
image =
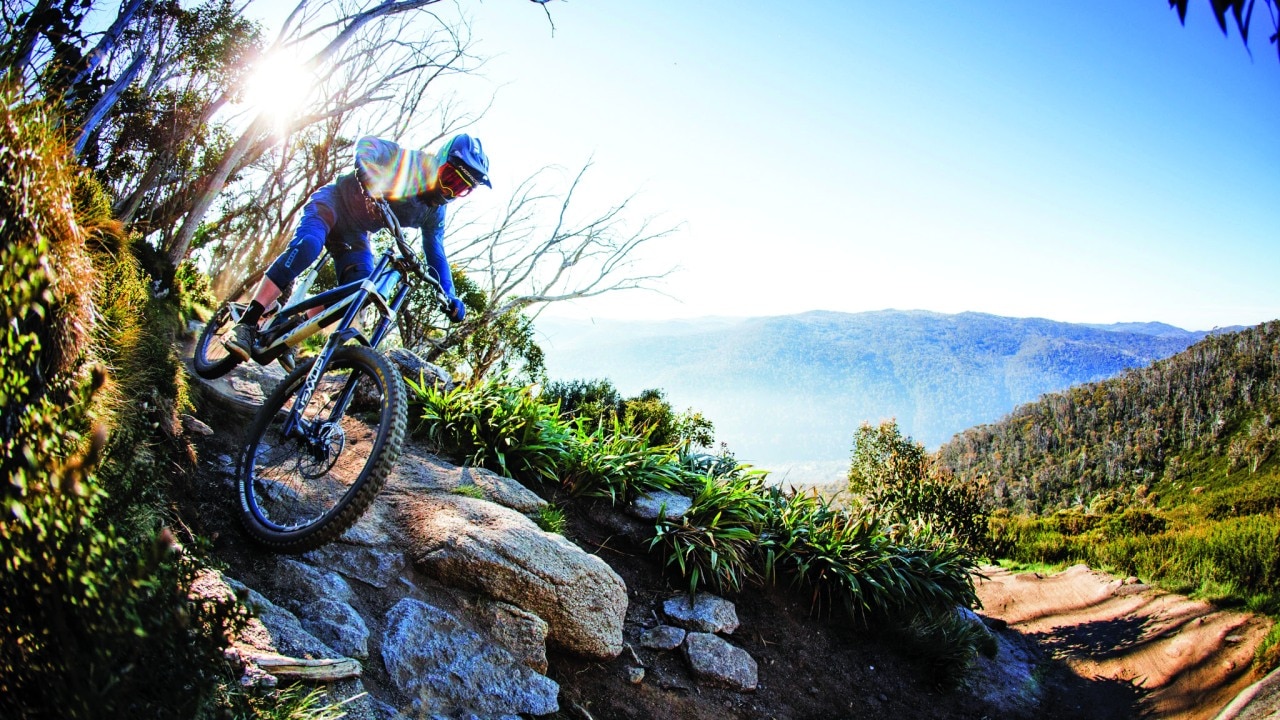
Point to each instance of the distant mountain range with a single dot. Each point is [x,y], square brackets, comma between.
[787,393]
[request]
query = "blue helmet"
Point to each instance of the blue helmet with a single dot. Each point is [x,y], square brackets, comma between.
[466,150]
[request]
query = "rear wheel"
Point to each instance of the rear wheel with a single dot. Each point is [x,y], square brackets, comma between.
[303,489]
[211,360]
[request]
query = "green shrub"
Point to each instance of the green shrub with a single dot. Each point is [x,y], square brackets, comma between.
[649,414]
[894,481]
[846,558]
[552,519]
[492,425]
[614,463]
[94,623]
[715,540]
[1135,522]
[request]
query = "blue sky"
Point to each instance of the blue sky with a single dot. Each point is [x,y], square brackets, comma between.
[1080,161]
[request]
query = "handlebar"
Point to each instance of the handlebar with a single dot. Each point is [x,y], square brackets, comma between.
[405,254]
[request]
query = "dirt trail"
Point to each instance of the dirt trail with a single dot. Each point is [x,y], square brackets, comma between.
[1184,658]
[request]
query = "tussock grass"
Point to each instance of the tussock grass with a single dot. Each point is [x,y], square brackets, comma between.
[739,532]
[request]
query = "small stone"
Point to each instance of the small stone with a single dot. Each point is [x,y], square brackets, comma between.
[883,697]
[195,426]
[1234,638]
[714,660]
[651,505]
[663,637]
[702,612]
[635,675]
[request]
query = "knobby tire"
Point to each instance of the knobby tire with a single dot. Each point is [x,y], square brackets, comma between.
[265,492]
[210,360]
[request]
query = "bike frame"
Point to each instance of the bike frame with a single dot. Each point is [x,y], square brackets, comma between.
[385,288]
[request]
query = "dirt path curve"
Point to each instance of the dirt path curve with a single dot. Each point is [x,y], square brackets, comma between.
[1183,659]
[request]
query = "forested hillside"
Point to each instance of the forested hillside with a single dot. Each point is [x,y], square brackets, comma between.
[794,388]
[1221,397]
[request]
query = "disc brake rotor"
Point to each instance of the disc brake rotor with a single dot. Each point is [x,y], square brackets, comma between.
[323,450]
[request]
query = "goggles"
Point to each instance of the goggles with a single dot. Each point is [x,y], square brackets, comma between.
[455,180]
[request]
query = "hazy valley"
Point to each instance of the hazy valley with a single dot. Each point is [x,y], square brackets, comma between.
[786,393]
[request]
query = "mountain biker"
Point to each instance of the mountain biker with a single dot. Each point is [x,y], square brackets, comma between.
[340,217]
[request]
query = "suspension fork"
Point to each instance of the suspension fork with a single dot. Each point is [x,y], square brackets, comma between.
[294,424]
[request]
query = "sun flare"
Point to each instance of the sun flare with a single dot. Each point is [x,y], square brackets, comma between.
[278,87]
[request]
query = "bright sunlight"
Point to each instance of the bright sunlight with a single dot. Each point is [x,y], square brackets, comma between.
[277,88]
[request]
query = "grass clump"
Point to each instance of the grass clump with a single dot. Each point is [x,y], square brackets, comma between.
[740,531]
[96,620]
[552,519]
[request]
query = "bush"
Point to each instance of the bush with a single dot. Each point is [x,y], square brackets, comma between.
[894,481]
[614,463]
[715,540]
[94,623]
[600,405]
[492,425]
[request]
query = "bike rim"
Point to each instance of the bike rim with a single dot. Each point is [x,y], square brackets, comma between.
[296,482]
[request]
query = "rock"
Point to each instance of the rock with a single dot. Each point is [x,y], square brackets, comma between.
[373,566]
[702,612]
[302,582]
[635,675]
[651,505]
[620,523]
[987,645]
[413,367]
[521,632]
[663,637]
[275,629]
[714,660]
[425,471]
[496,551]
[338,625]
[195,426]
[452,671]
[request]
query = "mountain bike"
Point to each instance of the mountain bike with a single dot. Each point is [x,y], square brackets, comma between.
[322,444]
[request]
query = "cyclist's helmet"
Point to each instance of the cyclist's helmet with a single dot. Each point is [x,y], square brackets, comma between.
[461,165]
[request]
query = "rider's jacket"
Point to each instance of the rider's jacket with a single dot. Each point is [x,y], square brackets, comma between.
[339,215]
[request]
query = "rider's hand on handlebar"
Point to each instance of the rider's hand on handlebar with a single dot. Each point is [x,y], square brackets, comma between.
[455,310]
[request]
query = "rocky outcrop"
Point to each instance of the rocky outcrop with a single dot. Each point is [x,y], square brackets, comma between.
[449,669]
[465,542]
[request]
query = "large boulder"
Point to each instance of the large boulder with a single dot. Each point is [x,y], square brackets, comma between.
[418,470]
[496,551]
[449,670]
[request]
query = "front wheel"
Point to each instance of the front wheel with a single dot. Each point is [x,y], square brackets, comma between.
[211,360]
[302,489]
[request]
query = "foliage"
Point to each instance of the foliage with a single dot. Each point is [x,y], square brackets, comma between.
[492,344]
[715,541]
[1241,11]
[739,531]
[1133,430]
[491,424]
[894,480]
[93,622]
[552,519]
[649,413]
[613,462]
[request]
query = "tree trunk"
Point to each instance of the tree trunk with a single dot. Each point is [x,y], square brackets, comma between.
[109,98]
[177,252]
[104,47]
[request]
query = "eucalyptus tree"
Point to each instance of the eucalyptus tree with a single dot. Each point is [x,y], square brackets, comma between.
[543,249]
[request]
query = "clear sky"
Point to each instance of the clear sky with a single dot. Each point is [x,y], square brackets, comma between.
[1080,161]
